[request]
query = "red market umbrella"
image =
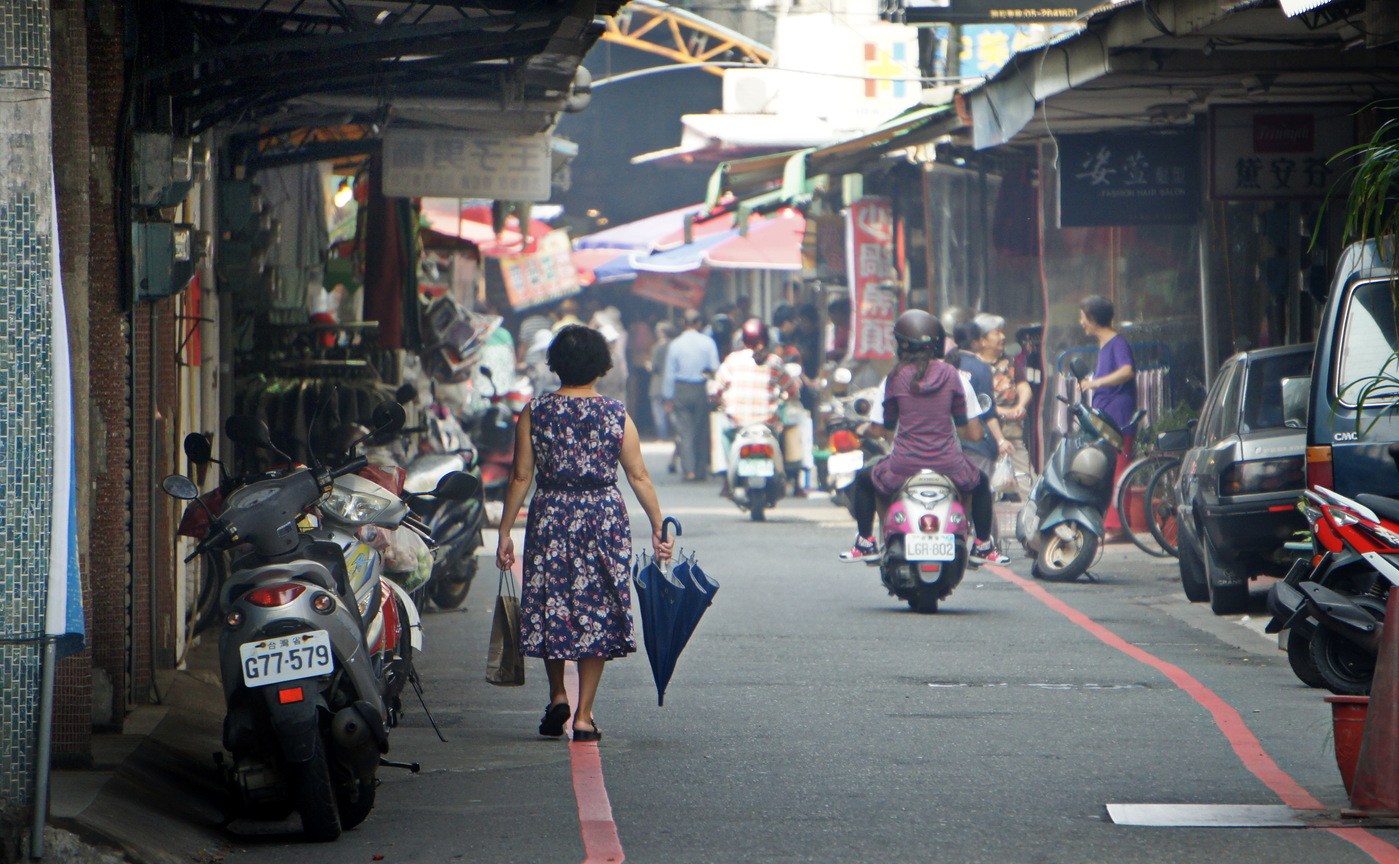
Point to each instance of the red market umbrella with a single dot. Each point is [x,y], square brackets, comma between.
[772,244]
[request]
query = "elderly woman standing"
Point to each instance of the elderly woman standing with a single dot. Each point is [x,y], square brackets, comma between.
[576,599]
[1009,387]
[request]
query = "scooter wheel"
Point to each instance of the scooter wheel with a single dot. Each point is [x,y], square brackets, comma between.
[1299,657]
[1064,560]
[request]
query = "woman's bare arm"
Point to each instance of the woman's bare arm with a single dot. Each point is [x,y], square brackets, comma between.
[640,480]
[521,473]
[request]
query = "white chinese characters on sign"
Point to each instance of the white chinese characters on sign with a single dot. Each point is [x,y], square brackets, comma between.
[426,163]
[875,301]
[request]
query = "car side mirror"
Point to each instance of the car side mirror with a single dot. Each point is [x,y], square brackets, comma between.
[1296,394]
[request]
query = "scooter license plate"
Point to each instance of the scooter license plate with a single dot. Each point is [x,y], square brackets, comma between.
[756,468]
[286,658]
[930,547]
[845,463]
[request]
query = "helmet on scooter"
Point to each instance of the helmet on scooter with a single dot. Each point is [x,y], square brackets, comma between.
[755,333]
[1090,466]
[917,330]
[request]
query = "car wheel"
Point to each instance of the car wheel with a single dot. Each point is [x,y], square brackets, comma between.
[1192,575]
[1228,591]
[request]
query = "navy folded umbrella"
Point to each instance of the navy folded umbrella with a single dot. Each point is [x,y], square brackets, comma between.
[672,599]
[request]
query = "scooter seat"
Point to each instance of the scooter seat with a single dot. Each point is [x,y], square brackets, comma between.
[1386,507]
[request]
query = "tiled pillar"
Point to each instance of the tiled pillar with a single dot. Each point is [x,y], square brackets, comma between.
[26,422]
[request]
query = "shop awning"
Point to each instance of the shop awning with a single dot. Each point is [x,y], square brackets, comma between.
[448,218]
[772,243]
[640,234]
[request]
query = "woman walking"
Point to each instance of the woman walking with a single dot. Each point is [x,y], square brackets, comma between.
[576,599]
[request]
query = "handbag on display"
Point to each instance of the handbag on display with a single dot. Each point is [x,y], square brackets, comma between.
[505,661]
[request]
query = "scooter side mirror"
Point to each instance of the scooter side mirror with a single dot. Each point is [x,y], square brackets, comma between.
[458,486]
[198,449]
[248,430]
[406,394]
[179,486]
[388,418]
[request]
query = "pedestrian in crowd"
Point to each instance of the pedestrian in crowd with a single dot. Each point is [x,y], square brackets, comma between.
[575,603]
[925,401]
[984,452]
[608,322]
[641,340]
[665,332]
[838,330]
[721,330]
[797,431]
[1008,385]
[753,385]
[1113,385]
[690,362]
[1029,364]
[808,340]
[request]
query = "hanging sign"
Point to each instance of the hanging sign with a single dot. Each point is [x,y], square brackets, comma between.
[1278,151]
[1112,178]
[682,290]
[874,302]
[982,11]
[430,163]
[547,274]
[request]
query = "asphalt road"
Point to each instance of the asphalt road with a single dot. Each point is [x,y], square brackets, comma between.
[814,718]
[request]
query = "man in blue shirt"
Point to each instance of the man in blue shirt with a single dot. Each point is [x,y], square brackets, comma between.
[1113,385]
[690,361]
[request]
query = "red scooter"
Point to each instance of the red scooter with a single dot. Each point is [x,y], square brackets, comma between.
[1343,588]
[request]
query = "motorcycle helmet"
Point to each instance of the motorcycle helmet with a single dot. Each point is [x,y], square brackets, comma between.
[755,333]
[954,315]
[917,330]
[1090,466]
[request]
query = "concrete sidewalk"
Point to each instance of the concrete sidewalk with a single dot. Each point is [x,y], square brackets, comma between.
[153,795]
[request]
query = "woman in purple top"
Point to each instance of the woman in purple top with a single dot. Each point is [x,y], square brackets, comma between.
[921,398]
[1113,385]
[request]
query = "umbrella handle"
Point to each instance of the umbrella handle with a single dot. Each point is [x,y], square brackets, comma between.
[666,523]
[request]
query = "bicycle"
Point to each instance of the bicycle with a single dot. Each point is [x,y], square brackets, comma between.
[1161,506]
[1132,487]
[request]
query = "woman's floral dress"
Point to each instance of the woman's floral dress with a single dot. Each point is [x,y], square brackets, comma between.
[576,600]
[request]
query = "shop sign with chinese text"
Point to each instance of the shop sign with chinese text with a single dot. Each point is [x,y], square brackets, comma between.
[546,275]
[1114,178]
[682,290]
[1278,151]
[432,163]
[874,301]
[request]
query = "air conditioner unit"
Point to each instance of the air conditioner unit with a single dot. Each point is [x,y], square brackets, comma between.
[750,91]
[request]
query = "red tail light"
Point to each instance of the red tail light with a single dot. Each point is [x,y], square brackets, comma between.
[844,441]
[275,595]
[1320,471]
[928,523]
[755,451]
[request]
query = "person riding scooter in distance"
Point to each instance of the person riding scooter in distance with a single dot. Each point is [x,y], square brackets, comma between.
[753,384]
[925,402]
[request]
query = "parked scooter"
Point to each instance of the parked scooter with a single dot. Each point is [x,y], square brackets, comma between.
[494,432]
[455,524]
[926,542]
[1062,523]
[306,716]
[1342,598]
[852,447]
[757,476]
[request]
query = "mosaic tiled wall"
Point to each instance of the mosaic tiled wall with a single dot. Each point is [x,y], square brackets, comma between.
[26,424]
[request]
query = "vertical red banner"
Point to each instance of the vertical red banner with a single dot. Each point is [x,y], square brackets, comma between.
[874,295]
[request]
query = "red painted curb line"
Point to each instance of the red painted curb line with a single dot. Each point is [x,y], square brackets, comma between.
[601,845]
[1244,743]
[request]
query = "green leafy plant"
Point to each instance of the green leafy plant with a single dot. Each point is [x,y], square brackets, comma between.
[1177,417]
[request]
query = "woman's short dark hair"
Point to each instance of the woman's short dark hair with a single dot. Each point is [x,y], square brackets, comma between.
[579,355]
[1098,309]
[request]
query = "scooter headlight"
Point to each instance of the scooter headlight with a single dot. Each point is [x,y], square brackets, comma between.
[355,508]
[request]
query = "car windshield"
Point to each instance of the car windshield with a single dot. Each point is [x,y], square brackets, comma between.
[1263,393]
[1367,369]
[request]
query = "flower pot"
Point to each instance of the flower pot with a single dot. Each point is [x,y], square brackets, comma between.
[1135,517]
[1347,727]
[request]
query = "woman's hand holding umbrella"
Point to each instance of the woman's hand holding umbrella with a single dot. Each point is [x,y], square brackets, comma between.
[664,547]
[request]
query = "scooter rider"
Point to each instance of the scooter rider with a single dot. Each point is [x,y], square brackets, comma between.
[924,398]
[753,384]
